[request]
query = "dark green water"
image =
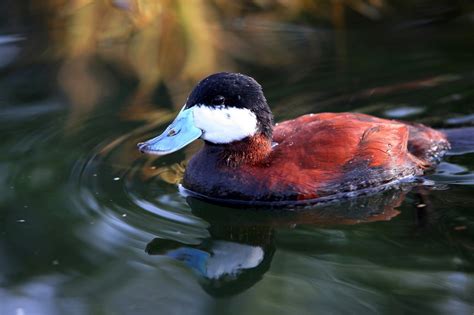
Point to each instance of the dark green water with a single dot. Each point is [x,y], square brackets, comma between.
[90,226]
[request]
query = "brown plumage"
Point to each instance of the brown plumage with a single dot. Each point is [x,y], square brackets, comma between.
[315,156]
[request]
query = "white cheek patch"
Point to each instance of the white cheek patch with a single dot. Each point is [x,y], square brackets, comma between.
[222,124]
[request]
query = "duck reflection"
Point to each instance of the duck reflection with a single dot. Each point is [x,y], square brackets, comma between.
[231,260]
[241,246]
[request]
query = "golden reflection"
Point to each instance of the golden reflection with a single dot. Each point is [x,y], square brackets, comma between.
[169,43]
[172,174]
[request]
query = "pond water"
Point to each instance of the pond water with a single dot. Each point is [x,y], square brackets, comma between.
[88,225]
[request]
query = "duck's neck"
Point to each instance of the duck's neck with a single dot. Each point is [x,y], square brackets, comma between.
[250,151]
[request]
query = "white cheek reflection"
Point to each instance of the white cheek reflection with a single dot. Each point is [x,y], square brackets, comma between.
[224,124]
[230,258]
[222,259]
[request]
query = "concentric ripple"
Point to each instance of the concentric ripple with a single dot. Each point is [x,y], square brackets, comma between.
[124,192]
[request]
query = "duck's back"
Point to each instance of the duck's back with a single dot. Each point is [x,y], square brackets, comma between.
[321,155]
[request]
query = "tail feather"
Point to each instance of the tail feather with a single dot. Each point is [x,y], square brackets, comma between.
[461,140]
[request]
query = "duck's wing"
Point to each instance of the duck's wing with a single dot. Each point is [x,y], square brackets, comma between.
[328,153]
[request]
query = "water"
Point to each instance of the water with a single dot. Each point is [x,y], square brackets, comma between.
[89,225]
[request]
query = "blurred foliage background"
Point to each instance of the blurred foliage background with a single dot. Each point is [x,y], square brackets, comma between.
[169,45]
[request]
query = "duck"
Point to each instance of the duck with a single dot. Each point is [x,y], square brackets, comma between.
[248,159]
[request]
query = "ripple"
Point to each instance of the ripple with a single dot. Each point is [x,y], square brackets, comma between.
[118,193]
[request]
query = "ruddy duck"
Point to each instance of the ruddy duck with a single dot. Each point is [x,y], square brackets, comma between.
[248,159]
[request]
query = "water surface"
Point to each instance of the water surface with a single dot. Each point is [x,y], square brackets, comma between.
[88,225]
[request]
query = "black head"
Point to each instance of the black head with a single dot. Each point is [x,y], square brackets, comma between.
[226,89]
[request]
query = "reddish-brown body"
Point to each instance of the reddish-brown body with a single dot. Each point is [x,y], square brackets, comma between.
[316,155]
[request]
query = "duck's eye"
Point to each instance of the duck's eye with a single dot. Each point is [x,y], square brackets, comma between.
[218,100]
